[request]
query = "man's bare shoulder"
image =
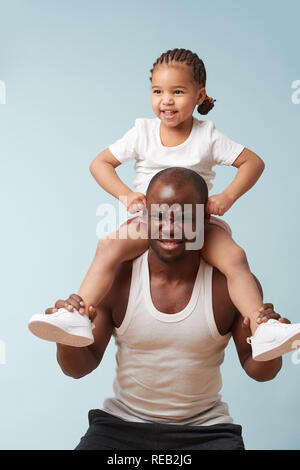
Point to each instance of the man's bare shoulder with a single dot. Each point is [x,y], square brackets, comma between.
[120,286]
[224,310]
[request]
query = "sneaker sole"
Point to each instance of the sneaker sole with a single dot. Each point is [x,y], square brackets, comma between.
[50,332]
[282,348]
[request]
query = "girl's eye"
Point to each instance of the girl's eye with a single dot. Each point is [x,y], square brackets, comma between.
[158,91]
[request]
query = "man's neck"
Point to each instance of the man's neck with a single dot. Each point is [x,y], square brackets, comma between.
[183,269]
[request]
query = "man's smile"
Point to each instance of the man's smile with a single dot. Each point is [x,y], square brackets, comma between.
[170,244]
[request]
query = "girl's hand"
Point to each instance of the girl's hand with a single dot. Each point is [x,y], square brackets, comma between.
[135,202]
[218,204]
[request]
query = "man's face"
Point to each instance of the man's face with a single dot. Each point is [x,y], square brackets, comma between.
[173,220]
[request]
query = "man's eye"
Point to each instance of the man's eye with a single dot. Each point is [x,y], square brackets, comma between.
[160,216]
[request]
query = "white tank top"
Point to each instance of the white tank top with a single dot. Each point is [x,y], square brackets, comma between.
[168,365]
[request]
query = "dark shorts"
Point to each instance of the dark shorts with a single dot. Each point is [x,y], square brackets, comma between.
[107,432]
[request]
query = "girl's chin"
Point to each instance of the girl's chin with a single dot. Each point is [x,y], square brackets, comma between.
[169,122]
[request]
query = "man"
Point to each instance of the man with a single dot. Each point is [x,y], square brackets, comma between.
[172,317]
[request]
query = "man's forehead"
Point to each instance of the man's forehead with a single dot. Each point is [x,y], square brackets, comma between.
[173,193]
[164,207]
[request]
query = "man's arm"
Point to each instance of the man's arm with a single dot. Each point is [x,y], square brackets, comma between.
[229,319]
[257,370]
[78,362]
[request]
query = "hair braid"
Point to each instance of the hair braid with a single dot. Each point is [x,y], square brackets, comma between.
[199,73]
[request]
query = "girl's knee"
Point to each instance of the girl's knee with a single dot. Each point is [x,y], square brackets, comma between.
[108,249]
[104,243]
[114,250]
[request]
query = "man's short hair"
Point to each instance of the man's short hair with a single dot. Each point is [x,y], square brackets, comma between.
[179,176]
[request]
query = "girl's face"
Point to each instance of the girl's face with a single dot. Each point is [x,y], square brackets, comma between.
[175,94]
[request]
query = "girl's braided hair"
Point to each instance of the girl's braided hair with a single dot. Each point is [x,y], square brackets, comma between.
[189,58]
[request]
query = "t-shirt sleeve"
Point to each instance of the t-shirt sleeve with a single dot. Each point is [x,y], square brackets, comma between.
[125,149]
[223,150]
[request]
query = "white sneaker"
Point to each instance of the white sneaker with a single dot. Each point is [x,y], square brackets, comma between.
[273,338]
[69,328]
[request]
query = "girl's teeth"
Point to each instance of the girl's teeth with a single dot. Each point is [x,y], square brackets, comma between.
[169,114]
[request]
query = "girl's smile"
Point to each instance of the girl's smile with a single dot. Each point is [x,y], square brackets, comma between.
[169,114]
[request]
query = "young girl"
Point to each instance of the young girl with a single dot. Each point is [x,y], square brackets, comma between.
[173,138]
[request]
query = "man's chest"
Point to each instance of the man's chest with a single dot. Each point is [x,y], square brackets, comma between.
[166,297]
[172,298]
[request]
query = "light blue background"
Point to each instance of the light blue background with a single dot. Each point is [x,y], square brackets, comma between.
[77,76]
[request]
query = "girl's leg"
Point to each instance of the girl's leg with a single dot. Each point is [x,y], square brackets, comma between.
[221,251]
[120,246]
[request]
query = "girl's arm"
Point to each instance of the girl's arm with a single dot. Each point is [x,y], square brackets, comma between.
[103,170]
[250,167]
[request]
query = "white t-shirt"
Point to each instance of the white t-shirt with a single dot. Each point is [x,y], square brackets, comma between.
[204,148]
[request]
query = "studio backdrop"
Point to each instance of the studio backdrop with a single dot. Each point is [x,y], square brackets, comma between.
[74,76]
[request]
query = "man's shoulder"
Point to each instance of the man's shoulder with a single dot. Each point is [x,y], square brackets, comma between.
[122,281]
[224,310]
[121,284]
[220,287]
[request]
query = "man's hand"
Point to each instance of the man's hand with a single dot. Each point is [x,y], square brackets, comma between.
[218,204]
[135,202]
[266,313]
[74,301]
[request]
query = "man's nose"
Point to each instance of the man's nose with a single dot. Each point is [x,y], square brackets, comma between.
[171,229]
